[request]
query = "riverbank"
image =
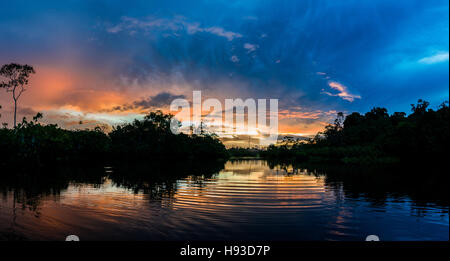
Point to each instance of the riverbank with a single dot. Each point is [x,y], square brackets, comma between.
[33,145]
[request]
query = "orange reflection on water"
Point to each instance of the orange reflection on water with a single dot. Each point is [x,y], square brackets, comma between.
[250,185]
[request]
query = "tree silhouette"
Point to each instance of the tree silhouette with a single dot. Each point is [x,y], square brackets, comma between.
[376,137]
[16,79]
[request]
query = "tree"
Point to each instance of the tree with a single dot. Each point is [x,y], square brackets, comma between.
[16,76]
[339,121]
[420,108]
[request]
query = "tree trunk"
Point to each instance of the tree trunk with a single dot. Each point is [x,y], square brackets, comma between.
[15,112]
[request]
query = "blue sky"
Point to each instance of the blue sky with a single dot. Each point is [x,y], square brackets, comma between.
[316,57]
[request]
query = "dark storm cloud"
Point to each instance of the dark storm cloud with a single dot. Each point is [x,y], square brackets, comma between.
[158,101]
[303,49]
[323,55]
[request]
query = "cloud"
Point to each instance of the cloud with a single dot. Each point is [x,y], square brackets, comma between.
[100,58]
[298,112]
[437,58]
[342,92]
[250,47]
[286,114]
[219,31]
[73,118]
[176,24]
[160,100]
[234,59]
[131,24]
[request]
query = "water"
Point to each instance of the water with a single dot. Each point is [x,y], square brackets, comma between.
[246,200]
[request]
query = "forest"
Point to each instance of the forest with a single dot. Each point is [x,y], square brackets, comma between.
[32,144]
[375,137]
[371,138]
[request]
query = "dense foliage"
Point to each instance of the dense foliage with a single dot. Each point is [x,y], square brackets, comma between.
[239,152]
[376,137]
[152,138]
[32,144]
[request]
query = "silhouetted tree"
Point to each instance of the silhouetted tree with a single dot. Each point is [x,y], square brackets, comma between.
[16,79]
[420,108]
[152,138]
[376,137]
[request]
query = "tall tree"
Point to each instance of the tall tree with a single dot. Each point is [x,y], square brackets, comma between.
[16,78]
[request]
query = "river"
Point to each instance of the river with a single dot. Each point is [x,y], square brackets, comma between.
[246,200]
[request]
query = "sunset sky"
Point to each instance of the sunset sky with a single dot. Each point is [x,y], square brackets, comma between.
[111,61]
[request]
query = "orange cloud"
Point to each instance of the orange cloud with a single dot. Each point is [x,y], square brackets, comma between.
[286,114]
[342,91]
[68,95]
[51,88]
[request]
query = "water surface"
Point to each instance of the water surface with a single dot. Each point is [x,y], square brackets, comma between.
[247,200]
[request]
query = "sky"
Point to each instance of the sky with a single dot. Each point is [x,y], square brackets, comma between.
[108,62]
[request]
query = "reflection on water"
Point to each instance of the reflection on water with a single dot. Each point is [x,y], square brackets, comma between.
[246,200]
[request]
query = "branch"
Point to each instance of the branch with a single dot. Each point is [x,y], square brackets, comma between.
[20,92]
